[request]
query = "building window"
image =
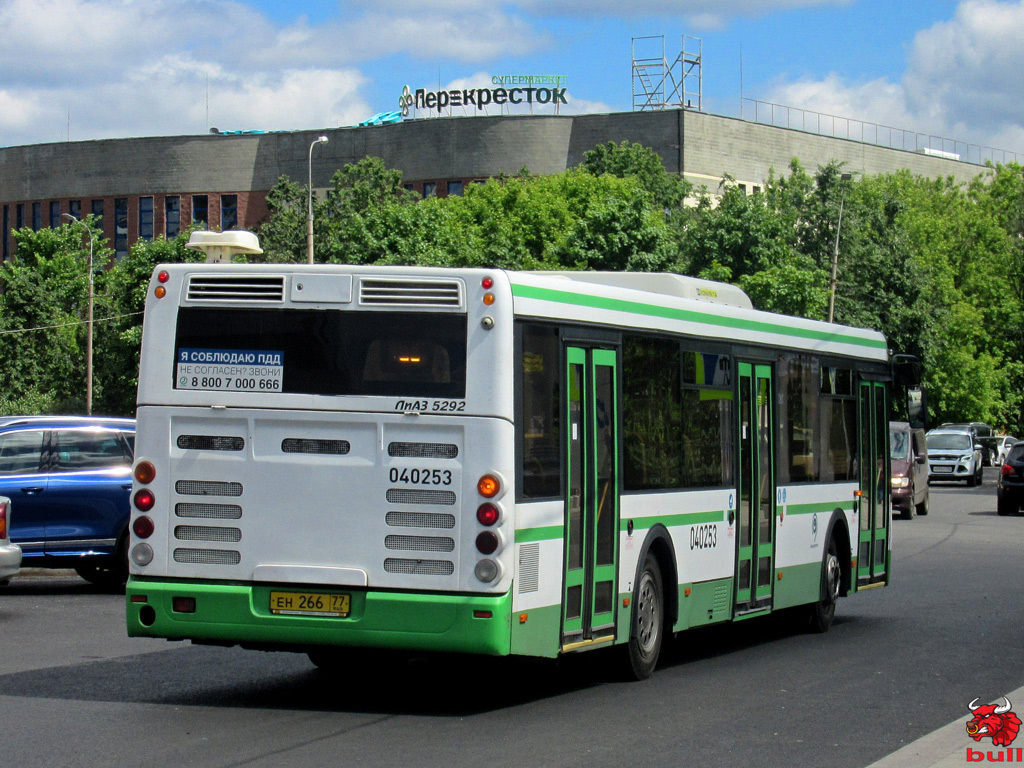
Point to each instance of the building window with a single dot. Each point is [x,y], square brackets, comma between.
[54,214]
[37,216]
[97,214]
[455,188]
[5,232]
[200,210]
[429,188]
[172,216]
[120,227]
[75,208]
[145,218]
[19,216]
[228,212]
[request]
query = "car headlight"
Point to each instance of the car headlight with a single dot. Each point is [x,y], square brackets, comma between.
[900,482]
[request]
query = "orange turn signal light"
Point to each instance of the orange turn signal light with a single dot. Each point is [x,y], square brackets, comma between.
[488,486]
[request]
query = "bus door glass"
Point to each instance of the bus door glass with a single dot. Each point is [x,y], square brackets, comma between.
[756,491]
[874,482]
[592,501]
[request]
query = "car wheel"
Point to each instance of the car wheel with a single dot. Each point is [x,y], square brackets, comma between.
[972,480]
[908,512]
[1006,507]
[648,624]
[109,571]
[922,508]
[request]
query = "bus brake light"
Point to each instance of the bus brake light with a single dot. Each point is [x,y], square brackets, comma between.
[144,500]
[487,514]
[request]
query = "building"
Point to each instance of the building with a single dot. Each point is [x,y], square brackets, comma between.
[150,187]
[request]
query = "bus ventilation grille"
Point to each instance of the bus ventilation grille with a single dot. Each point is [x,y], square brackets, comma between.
[210,443]
[207,556]
[240,288]
[206,533]
[423,450]
[419,567]
[419,520]
[207,488]
[394,292]
[310,445]
[529,568]
[412,496]
[420,543]
[208,511]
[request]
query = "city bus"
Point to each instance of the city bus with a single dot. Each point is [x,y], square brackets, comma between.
[349,461]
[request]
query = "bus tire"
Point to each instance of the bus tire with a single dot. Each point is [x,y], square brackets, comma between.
[647,628]
[823,611]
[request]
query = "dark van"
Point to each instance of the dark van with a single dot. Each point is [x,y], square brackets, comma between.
[908,457]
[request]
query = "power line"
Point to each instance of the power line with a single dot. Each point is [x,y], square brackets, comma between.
[65,325]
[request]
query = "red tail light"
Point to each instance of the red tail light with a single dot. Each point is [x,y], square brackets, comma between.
[143,526]
[487,514]
[144,500]
[1006,469]
[3,519]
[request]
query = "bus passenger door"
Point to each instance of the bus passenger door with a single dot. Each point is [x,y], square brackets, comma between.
[874,482]
[592,503]
[756,490]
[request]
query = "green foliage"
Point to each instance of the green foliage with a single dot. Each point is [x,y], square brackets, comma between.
[936,266]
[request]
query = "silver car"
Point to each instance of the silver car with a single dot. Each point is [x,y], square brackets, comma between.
[954,455]
[10,554]
[1003,446]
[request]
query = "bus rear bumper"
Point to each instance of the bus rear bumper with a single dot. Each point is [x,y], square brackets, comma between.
[240,614]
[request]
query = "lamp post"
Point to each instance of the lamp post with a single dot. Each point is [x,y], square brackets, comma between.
[88,330]
[309,221]
[835,252]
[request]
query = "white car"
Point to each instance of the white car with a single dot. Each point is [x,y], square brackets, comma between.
[953,455]
[1003,445]
[10,554]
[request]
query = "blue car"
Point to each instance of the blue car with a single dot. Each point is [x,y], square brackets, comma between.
[69,480]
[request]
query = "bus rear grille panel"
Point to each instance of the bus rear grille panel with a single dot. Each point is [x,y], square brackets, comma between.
[207,556]
[390,292]
[417,496]
[246,288]
[419,520]
[419,567]
[423,450]
[210,443]
[420,543]
[206,533]
[310,445]
[207,488]
[208,511]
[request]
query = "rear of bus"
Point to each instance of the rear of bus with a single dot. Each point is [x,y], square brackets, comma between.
[324,458]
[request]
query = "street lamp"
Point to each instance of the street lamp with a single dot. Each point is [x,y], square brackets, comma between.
[88,330]
[835,252]
[309,222]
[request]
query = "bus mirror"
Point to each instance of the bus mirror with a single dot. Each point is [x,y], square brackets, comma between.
[917,408]
[906,370]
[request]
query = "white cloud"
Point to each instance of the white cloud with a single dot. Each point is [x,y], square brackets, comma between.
[962,81]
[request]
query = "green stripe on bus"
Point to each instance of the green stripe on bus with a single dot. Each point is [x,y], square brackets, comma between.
[688,315]
[823,506]
[524,535]
[684,518]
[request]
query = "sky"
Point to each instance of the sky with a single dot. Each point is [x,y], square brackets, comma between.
[91,69]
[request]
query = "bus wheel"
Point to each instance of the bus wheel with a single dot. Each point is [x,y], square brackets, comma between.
[823,611]
[648,622]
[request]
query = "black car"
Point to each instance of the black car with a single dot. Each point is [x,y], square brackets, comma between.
[1010,485]
[69,481]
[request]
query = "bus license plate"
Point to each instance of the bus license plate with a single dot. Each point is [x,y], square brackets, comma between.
[309,604]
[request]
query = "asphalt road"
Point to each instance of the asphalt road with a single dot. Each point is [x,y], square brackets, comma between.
[898,663]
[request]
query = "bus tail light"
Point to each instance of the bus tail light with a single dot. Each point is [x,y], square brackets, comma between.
[488,486]
[487,543]
[488,514]
[487,571]
[145,472]
[143,526]
[144,500]
[142,554]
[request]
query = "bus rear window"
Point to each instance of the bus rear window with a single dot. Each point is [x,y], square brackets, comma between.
[321,352]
